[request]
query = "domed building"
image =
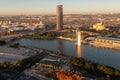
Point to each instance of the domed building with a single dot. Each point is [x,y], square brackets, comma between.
[99,27]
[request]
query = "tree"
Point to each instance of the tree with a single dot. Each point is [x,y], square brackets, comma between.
[2,42]
[15,45]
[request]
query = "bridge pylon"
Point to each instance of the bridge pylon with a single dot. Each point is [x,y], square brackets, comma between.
[78,38]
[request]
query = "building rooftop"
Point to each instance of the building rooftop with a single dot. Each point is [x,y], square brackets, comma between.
[118,39]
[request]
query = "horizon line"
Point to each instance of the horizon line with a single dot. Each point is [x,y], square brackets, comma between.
[55,14]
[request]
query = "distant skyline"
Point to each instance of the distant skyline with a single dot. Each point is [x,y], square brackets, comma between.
[28,7]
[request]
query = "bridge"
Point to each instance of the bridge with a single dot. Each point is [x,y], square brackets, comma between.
[88,32]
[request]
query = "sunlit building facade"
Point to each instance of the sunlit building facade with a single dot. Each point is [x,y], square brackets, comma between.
[59,16]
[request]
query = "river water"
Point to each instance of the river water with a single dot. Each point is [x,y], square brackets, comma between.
[103,56]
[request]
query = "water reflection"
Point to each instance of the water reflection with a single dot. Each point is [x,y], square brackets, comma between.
[78,50]
[59,45]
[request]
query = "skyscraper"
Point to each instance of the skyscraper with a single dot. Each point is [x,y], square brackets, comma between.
[59,16]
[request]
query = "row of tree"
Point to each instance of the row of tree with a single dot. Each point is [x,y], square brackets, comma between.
[96,68]
[2,42]
[19,64]
[44,35]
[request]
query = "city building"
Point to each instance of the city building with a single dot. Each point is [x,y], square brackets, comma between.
[5,22]
[107,42]
[41,25]
[99,27]
[59,16]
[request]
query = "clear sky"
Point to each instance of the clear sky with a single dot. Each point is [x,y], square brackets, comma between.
[21,7]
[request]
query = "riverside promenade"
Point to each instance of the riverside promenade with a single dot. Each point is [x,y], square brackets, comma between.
[64,38]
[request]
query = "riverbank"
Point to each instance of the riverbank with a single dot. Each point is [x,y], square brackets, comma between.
[64,38]
[43,38]
[97,71]
[39,38]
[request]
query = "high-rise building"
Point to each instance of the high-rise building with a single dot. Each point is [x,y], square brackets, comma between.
[59,16]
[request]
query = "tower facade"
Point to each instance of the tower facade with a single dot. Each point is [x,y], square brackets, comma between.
[59,17]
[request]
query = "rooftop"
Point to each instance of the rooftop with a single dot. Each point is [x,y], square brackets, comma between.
[118,39]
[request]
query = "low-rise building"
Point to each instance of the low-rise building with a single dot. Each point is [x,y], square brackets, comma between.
[107,42]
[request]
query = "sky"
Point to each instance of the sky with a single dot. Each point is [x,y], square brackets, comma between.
[22,7]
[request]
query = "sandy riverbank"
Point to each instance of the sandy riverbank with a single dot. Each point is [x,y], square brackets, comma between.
[65,38]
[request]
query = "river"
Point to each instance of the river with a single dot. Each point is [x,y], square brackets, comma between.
[103,56]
